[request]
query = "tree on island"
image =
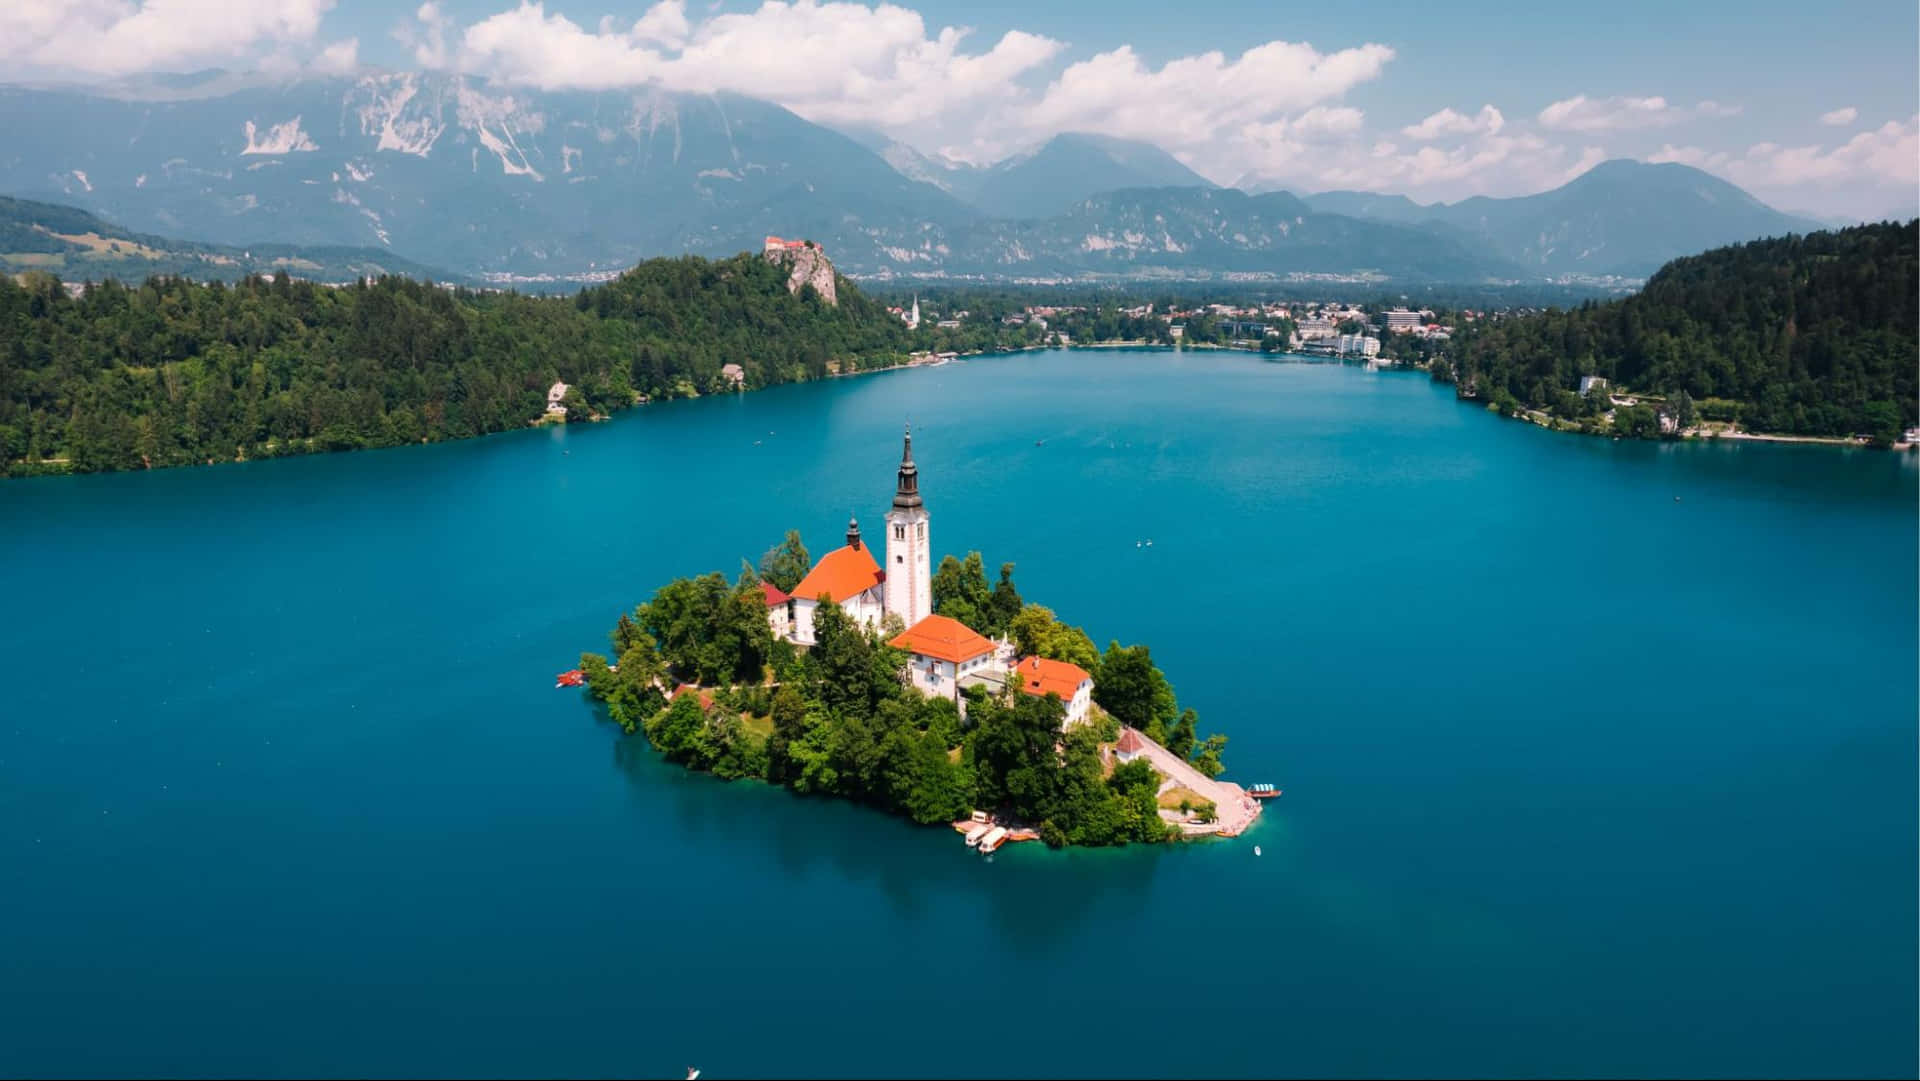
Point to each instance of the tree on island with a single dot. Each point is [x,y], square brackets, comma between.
[1128,686]
[845,724]
[1036,633]
[960,591]
[786,563]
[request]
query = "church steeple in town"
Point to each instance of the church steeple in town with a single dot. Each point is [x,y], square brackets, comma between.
[853,532]
[906,493]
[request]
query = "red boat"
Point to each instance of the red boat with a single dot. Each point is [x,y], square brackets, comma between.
[575,678]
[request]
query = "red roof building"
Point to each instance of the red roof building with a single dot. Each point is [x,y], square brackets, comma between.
[1039,675]
[945,639]
[841,574]
[1130,745]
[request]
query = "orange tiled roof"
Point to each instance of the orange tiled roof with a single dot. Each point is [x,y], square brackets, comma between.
[842,574]
[1039,676]
[706,697]
[943,638]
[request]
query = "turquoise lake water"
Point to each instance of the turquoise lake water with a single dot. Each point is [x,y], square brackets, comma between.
[1599,757]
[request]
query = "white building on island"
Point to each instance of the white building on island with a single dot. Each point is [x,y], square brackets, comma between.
[943,654]
[1040,676]
[856,582]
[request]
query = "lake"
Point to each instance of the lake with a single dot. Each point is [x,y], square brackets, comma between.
[1599,757]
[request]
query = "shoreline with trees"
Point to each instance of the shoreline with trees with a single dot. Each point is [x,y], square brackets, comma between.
[1804,338]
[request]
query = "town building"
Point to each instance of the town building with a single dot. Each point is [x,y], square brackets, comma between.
[1356,345]
[775,245]
[1041,676]
[733,373]
[941,652]
[555,396]
[1315,329]
[1591,383]
[1402,321]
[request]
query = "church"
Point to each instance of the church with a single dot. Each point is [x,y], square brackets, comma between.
[869,589]
[943,654]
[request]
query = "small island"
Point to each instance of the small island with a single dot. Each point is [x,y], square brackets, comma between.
[922,691]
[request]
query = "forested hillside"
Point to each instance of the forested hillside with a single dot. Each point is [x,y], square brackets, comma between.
[175,372]
[1809,335]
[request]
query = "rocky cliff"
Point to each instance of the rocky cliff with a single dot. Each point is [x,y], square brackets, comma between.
[807,266]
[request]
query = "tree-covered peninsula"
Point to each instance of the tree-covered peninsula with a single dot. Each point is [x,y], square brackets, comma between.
[177,372]
[698,673]
[1806,335]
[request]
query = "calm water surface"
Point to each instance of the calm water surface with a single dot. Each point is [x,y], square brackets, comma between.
[1599,758]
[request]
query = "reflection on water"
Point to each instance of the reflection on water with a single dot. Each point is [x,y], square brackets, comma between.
[802,836]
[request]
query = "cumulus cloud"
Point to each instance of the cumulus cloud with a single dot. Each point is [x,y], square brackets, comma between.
[1447,122]
[1190,100]
[339,58]
[1867,170]
[1840,118]
[116,37]
[1588,115]
[883,67]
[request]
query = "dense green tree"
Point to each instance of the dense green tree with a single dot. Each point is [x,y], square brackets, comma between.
[1797,334]
[1003,605]
[1036,633]
[1181,740]
[173,372]
[1207,758]
[960,591]
[1127,685]
[786,563]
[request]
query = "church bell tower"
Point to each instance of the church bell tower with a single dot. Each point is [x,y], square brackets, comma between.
[909,590]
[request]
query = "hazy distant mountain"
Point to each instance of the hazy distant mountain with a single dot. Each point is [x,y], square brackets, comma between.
[1069,168]
[454,171]
[478,178]
[1206,232]
[1620,217]
[1370,204]
[79,246]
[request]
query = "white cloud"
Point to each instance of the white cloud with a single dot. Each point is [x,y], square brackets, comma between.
[339,58]
[1870,172]
[842,63]
[883,67]
[1888,155]
[665,24]
[1583,114]
[1447,122]
[1840,118]
[117,37]
[1190,101]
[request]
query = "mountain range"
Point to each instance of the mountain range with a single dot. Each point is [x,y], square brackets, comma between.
[77,246]
[506,182]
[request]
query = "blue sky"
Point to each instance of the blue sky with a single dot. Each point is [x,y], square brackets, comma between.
[1810,106]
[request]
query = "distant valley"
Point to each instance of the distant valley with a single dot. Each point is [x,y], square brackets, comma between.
[511,184]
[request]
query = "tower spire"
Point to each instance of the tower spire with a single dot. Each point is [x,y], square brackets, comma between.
[906,493]
[853,532]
